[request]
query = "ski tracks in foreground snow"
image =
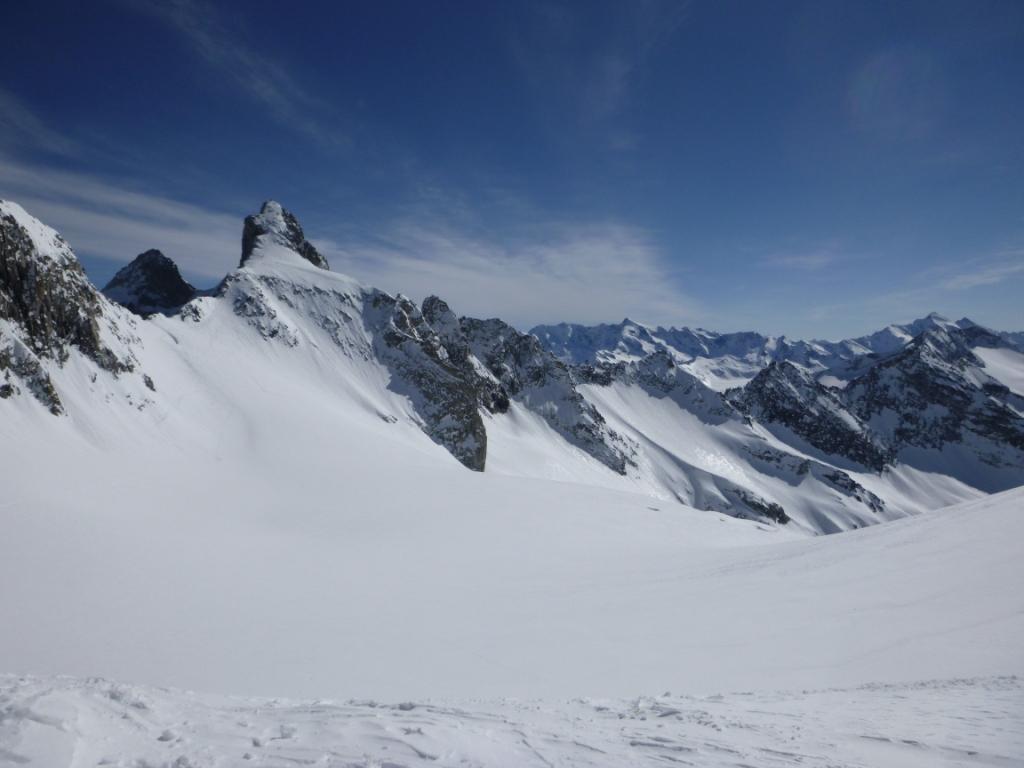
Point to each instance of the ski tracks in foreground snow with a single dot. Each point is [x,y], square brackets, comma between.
[57,722]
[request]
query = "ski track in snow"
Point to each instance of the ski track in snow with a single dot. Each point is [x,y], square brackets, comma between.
[57,722]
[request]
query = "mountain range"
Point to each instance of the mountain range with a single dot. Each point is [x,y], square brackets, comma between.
[814,436]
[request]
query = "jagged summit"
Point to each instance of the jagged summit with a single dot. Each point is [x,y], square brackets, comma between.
[725,360]
[827,436]
[48,309]
[784,394]
[275,229]
[46,242]
[150,283]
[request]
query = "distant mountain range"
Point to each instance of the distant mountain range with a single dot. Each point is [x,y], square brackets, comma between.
[821,436]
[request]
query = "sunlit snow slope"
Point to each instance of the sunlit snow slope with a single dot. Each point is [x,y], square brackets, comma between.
[285,358]
[438,582]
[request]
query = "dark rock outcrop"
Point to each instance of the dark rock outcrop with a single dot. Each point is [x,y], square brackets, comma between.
[533,376]
[275,225]
[50,308]
[49,296]
[936,392]
[150,283]
[786,395]
[441,384]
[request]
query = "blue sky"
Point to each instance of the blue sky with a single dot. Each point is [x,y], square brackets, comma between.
[816,169]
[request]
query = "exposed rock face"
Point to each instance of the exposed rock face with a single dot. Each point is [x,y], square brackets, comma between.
[150,283]
[936,392]
[785,394]
[660,376]
[47,307]
[931,394]
[44,290]
[433,369]
[443,386]
[533,376]
[929,404]
[274,225]
[491,393]
[18,365]
[451,368]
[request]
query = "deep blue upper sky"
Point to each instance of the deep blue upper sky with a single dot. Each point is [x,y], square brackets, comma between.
[811,168]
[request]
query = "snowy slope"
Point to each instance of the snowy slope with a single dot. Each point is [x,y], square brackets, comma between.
[704,458]
[957,723]
[1005,366]
[867,630]
[285,572]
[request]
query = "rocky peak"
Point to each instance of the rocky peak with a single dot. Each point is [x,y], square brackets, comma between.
[784,394]
[45,291]
[150,283]
[573,343]
[446,324]
[444,388]
[533,376]
[936,392]
[276,226]
[47,307]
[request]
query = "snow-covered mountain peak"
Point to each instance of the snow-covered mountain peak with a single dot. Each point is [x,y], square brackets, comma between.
[48,309]
[895,337]
[275,233]
[46,243]
[933,321]
[783,395]
[150,283]
[829,436]
[443,320]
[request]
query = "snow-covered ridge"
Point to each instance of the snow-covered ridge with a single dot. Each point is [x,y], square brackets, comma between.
[919,395]
[646,414]
[51,314]
[46,242]
[724,360]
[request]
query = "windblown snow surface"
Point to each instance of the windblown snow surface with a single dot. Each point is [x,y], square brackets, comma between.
[956,722]
[897,644]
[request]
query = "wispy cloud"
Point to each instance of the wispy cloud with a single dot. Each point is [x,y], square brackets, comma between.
[946,288]
[583,272]
[265,81]
[809,261]
[20,127]
[580,271]
[989,274]
[106,221]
